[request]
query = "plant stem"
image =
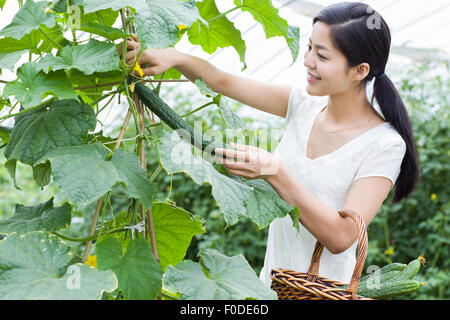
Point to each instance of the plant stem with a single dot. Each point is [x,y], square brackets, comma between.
[224,14]
[92,229]
[107,95]
[26,110]
[122,129]
[50,39]
[198,109]
[141,149]
[155,173]
[158,87]
[103,108]
[90,238]
[151,231]
[132,106]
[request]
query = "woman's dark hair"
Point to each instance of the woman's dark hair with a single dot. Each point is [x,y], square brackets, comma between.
[362,35]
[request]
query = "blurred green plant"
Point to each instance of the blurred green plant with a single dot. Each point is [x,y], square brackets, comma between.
[420,223]
[399,232]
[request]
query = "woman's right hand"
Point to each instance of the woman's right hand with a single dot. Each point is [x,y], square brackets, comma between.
[151,61]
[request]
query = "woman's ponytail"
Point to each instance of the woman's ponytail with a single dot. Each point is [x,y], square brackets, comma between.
[395,112]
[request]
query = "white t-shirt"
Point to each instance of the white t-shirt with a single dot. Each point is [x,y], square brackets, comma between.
[377,152]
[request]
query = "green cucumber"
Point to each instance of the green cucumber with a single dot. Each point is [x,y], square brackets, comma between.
[172,119]
[375,283]
[393,279]
[410,270]
[391,288]
[386,269]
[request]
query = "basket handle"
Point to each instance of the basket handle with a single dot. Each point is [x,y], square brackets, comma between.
[361,256]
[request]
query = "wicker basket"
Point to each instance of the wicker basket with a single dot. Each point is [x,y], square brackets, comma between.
[292,285]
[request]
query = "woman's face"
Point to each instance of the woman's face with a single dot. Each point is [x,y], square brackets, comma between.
[326,62]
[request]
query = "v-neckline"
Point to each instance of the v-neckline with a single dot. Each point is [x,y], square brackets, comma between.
[341,147]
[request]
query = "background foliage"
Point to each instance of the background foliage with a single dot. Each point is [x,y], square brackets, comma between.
[399,232]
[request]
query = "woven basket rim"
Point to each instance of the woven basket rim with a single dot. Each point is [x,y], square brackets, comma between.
[300,285]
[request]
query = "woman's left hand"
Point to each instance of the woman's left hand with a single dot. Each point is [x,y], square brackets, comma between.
[248,161]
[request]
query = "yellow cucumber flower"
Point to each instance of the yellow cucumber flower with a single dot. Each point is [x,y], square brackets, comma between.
[131,87]
[92,261]
[422,260]
[137,68]
[181,27]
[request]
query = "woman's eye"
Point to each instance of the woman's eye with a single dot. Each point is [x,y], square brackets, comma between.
[319,55]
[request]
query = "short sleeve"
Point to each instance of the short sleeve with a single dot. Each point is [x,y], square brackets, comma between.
[383,160]
[297,100]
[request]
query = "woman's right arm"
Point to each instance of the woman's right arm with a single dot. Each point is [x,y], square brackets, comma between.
[257,94]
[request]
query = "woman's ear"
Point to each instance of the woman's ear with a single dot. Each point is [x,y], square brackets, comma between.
[360,71]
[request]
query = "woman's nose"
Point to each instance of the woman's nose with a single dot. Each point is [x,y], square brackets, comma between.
[308,61]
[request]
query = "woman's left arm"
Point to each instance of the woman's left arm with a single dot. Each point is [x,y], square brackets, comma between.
[336,233]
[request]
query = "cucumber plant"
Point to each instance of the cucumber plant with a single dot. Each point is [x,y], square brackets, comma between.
[69,73]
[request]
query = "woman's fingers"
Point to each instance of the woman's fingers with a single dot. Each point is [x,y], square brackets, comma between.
[131,56]
[132,44]
[239,146]
[230,163]
[235,154]
[135,37]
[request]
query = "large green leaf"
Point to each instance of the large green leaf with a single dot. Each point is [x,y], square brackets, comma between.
[44,217]
[217,277]
[138,272]
[236,197]
[42,173]
[61,5]
[30,17]
[8,60]
[93,172]
[265,205]
[293,41]
[95,56]
[106,17]
[56,124]
[91,87]
[95,5]
[107,32]
[219,33]
[267,15]
[37,266]
[36,41]
[157,23]
[174,229]
[33,86]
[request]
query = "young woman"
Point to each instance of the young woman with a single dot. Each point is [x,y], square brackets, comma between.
[337,152]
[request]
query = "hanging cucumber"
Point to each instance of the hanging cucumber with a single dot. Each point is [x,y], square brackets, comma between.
[172,119]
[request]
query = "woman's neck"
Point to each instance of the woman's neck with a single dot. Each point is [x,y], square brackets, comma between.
[348,108]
